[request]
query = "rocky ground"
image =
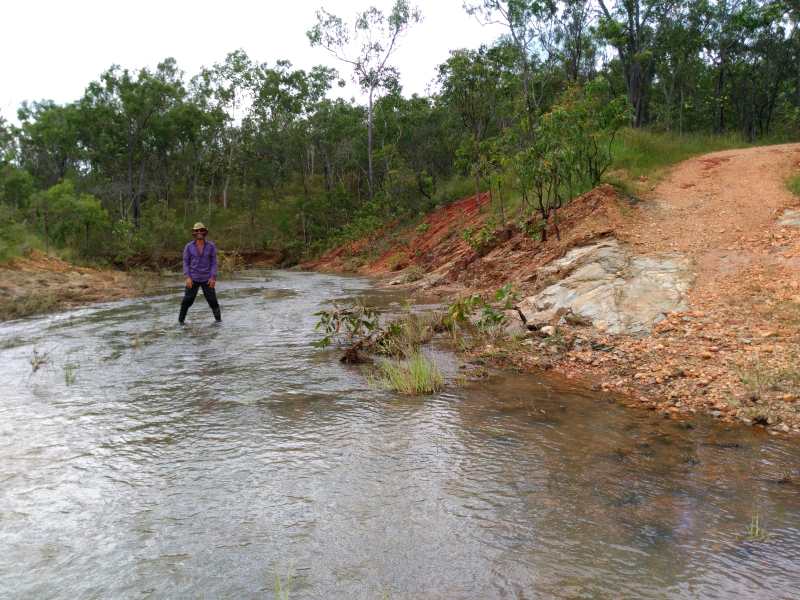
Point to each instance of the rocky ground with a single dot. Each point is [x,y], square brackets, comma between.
[686,300]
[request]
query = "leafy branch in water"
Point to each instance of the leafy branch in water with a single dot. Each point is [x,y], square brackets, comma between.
[352,325]
[462,312]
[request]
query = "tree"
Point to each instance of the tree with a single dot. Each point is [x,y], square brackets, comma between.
[628,26]
[48,140]
[530,28]
[65,216]
[7,142]
[367,47]
[125,119]
[477,86]
[576,40]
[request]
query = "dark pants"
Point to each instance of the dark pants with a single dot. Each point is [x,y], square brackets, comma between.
[191,294]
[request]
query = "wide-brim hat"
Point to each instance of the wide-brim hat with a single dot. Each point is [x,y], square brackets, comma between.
[199,227]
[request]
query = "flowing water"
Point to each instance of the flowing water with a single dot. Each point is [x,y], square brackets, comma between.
[142,460]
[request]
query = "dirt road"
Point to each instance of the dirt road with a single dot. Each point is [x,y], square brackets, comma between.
[736,354]
[723,209]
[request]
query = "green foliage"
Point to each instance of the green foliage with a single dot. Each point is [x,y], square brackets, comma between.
[346,325]
[642,153]
[793,185]
[66,218]
[459,312]
[572,148]
[16,186]
[413,376]
[404,336]
[479,238]
[260,152]
[16,237]
[507,296]
[755,531]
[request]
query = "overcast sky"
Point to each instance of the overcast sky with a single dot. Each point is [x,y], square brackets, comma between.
[51,49]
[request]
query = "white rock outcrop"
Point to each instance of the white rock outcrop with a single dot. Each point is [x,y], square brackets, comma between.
[607,284]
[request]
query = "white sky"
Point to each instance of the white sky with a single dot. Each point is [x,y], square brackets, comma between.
[51,49]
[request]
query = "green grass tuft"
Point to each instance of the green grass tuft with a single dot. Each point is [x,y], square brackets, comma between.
[793,183]
[755,532]
[414,376]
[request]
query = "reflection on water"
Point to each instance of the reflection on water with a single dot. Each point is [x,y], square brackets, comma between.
[204,461]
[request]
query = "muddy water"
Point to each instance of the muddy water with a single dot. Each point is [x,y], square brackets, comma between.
[211,462]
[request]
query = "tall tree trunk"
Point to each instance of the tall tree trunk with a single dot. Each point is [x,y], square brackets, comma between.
[719,121]
[369,143]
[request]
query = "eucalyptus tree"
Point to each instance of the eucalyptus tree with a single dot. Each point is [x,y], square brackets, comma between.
[48,140]
[629,26]
[576,40]
[231,85]
[124,126]
[7,142]
[366,45]
[531,28]
[678,67]
[480,88]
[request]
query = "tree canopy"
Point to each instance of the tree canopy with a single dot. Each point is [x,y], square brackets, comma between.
[264,152]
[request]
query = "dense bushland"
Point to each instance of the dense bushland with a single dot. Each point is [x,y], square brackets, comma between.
[263,154]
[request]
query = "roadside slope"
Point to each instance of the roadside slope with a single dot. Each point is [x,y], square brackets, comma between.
[736,352]
[733,348]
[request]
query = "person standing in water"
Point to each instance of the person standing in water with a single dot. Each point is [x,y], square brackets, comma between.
[200,270]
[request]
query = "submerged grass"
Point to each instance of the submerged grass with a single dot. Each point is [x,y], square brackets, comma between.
[283,587]
[755,532]
[413,376]
[70,373]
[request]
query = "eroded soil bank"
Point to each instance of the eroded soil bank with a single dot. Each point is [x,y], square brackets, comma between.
[39,283]
[690,302]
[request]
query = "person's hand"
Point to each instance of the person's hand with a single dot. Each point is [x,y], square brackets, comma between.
[212,283]
[188,282]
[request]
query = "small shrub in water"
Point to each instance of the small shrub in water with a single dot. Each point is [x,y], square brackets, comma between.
[755,532]
[414,376]
[38,360]
[346,325]
[403,337]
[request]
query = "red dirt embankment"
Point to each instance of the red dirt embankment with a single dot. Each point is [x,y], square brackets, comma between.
[437,247]
[735,354]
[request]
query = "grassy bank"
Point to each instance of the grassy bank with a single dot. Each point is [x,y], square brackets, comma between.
[793,183]
[642,153]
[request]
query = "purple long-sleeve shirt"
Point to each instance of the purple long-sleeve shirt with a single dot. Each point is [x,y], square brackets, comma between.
[200,266]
